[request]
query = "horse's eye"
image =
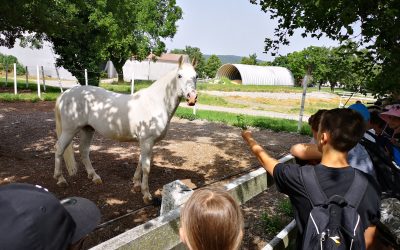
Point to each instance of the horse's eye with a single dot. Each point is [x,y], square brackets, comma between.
[197,76]
[179,76]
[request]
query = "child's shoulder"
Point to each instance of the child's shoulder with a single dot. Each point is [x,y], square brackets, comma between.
[371,180]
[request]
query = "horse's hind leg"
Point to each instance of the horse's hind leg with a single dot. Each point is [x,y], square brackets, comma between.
[138,176]
[62,143]
[86,136]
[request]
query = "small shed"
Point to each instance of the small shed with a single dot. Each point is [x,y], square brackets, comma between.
[152,68]
[256,75]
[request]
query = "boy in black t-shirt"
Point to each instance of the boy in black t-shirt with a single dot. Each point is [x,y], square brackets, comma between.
[339,131]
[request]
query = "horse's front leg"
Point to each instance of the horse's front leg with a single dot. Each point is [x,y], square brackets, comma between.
[137,183]
[146,148]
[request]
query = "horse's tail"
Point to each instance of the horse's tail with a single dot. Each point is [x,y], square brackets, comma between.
[69,158]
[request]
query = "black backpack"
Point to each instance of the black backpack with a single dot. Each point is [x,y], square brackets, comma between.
[387,174]
[334,222]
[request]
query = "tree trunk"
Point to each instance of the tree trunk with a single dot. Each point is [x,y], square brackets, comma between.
[333,86]
[118,64]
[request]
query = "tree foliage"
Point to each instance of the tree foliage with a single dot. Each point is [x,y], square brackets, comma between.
[7,62]
[341,65]
[194,53]
[84,34]
[212,65]
[379,34]
[251,60]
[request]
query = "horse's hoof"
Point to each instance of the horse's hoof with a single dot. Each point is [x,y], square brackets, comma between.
[73,172]
[97,181]
[62,183]
[147,200]
[136,189]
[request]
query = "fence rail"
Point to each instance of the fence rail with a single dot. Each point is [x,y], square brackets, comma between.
[163,231]
[49,77]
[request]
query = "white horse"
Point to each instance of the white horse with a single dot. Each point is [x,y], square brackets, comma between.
[142,117]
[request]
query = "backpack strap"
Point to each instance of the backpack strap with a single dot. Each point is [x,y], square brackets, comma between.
[317,196]
[311,184]
[370,134]
[357,189]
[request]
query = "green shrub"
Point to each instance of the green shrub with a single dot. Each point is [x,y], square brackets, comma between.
[271,224]
[285,207]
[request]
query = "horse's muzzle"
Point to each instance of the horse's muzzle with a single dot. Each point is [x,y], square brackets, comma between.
[191,98]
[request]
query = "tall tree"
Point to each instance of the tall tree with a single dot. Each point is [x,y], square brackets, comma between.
[340,65]
[10,60]
[212,65]
[251,60]
[378,22]
[91,32]
[194,53]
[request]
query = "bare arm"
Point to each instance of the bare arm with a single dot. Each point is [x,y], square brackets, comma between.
[370,237]
[266,160]
[306,151]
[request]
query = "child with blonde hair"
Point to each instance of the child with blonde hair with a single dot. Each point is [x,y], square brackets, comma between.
[211,220]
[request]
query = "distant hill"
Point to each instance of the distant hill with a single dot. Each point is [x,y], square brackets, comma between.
[228,58]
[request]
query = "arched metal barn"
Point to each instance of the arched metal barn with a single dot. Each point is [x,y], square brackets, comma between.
[256,75]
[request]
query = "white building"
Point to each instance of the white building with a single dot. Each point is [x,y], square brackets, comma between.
[150,69]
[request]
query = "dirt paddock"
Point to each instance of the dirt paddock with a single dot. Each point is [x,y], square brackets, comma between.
[197,152]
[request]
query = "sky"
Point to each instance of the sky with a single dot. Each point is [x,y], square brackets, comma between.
[221,27]
[232,27]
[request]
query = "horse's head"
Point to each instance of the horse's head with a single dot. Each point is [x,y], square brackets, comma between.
[187,78]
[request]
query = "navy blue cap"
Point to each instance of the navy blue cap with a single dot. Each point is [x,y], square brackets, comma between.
[33,218]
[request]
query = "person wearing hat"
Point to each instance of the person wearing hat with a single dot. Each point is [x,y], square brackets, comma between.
[392,118]
[33,218]
[358,156]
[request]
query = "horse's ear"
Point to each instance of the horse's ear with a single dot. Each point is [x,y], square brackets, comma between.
[194,62]
[180,61]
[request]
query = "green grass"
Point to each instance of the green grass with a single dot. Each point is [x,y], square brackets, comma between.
[287,106]
[230,87]
[217,101]
[242,121]
[272,224]
[125,88]
[285,207]
[27,94]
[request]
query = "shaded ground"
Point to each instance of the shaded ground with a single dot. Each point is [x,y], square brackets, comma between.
[195,151]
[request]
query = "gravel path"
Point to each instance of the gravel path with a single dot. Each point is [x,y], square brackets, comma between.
[248,112]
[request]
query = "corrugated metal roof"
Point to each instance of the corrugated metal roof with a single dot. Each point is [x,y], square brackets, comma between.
[256,75]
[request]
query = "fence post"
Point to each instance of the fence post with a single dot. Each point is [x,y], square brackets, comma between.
[86,78]
[38,81]
[133,83]
[59,79]
[303,98]
[15,78]
[6,82]
[26,76]
[44,82]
